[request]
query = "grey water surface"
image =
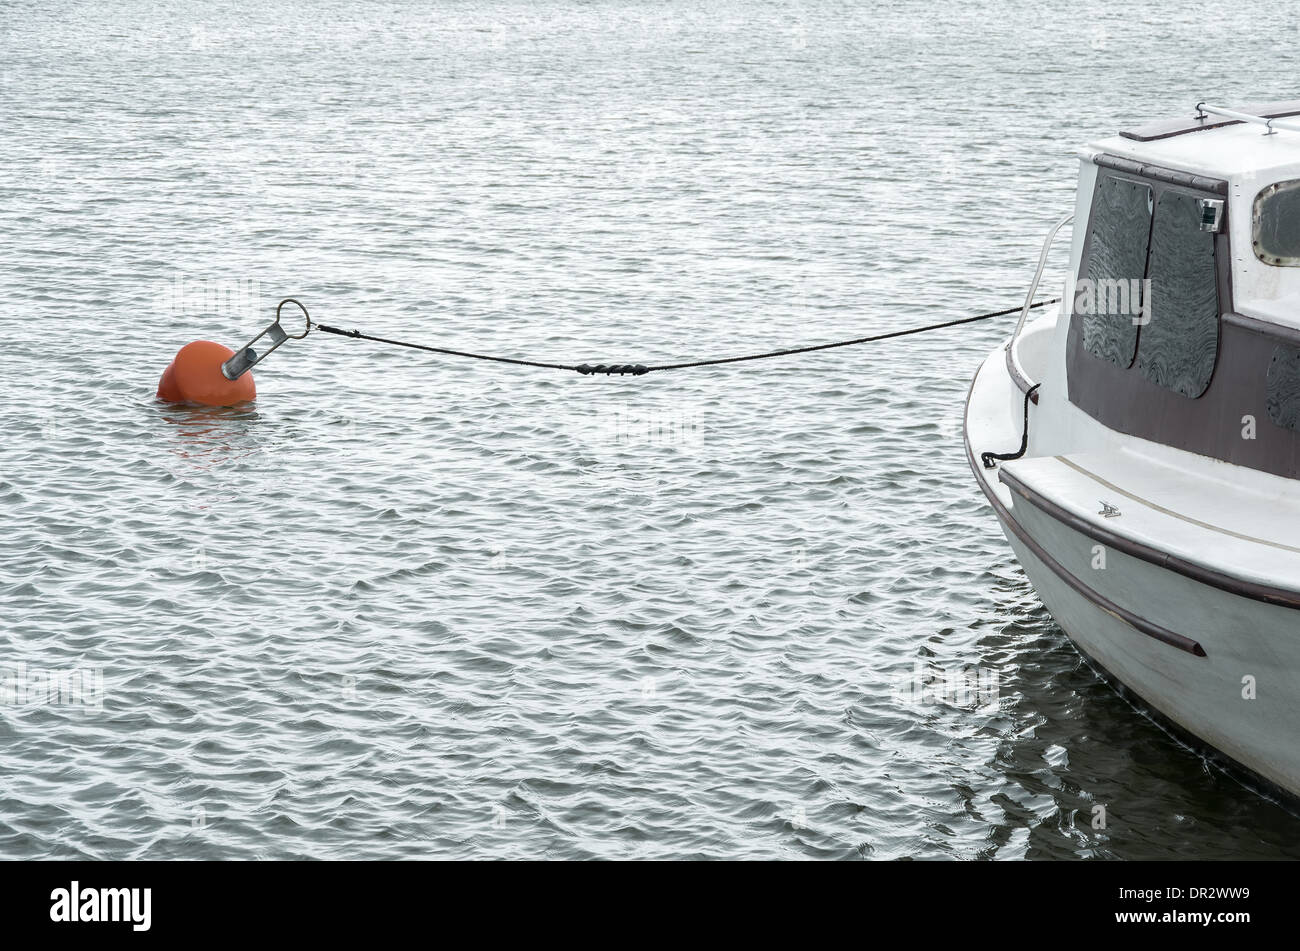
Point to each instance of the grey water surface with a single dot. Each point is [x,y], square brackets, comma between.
[410,606]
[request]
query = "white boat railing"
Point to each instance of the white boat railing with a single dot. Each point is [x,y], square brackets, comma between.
[1013,361]
[1270,125]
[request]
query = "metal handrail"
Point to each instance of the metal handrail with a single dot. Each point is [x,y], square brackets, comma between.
[1038,274]
[1013,364]
[1272,125]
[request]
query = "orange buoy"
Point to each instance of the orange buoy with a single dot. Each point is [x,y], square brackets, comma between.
[195,376]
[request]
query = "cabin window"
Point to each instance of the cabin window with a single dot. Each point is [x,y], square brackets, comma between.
[1109,299]
[1283,380]
[1179,338]
[1275,232]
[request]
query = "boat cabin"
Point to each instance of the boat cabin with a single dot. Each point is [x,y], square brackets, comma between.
[1185,320]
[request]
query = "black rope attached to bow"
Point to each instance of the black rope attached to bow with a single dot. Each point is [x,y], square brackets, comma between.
[638,369]
[988,457]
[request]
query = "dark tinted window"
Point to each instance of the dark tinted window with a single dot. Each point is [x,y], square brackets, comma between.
[1180,338]
[1276,227]
[1117,260]
[1284,387]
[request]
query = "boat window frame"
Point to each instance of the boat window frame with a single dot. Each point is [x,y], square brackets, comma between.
[1086,256]
[1256,219]
[1179,192]
[1159,179]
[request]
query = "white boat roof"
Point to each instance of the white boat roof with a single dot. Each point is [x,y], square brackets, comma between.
[1233,152]
[1248,156]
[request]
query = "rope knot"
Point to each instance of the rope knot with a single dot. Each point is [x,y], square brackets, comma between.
[611,369]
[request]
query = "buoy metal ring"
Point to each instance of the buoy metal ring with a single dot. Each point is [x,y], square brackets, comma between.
[306,317]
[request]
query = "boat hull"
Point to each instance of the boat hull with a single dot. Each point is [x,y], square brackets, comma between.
[1222,668]
[1207,697]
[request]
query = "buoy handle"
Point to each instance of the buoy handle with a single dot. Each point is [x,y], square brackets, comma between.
[246,357]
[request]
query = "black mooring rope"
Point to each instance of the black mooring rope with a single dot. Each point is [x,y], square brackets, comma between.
[455,353]
[638,369]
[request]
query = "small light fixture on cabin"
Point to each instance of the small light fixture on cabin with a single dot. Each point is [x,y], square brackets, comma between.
[1211,210]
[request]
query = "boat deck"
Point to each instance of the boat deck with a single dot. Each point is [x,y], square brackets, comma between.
[1189,518]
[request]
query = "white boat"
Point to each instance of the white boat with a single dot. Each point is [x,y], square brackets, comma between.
[1140,442]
